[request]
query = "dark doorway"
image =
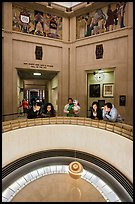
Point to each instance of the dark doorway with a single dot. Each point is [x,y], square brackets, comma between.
[33,96]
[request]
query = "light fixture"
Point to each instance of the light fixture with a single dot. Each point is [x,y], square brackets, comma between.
[75,169]
[36,73]
[99,76]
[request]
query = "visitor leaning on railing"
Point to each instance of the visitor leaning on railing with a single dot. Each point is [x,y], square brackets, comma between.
[48,111]
[110,113]
[34,111]
[38,112]
[95,111]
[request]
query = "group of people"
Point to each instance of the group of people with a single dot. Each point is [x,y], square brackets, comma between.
[107,113]
[71,109]
[37,109]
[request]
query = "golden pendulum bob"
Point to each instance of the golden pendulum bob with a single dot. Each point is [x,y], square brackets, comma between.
[75,170]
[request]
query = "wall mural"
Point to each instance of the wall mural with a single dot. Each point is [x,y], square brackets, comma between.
[101,20]
[36,22]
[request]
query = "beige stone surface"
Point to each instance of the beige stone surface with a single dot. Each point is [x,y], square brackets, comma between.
[58,188]
[101,143]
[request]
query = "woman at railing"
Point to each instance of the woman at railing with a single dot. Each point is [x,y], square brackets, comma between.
[48,111]
[34,111]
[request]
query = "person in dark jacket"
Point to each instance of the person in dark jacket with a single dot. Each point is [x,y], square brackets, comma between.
[96,112]
[34,111]
[48,110]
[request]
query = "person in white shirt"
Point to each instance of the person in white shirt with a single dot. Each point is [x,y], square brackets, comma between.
[76,108]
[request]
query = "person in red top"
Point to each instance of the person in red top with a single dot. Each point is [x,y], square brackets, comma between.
[25,106]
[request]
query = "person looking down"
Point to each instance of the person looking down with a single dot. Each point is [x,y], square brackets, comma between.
[110,113]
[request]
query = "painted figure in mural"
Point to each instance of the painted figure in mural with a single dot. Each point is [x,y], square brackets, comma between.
[24,19]
[38,23]
[110,20]
[97,23]
[90,26]
[31,27]
[82,26]
[16,24]
[39,30]
[101,22]
[53,24]
[53,27]
[122,11]
[87,22]
[116,15]
[101,25]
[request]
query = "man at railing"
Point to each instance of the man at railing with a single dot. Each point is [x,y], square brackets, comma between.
[110,113]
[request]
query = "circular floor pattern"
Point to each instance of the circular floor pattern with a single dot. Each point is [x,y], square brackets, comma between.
[53,183]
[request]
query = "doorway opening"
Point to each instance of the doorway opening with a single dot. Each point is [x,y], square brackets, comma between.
[38,87]
[96,81]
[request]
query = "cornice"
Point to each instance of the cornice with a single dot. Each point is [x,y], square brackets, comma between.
[55,9]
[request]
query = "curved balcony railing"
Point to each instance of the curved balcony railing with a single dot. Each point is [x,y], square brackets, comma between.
[118,128]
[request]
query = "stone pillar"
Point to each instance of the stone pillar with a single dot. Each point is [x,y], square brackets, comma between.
[7,69]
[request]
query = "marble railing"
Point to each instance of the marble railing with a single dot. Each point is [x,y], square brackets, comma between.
[118,128]
[106,140]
